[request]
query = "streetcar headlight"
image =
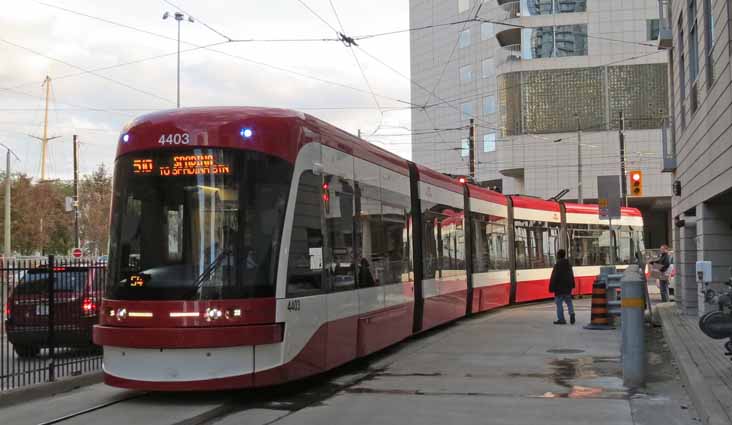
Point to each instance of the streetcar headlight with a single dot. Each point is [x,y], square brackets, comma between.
[233,313]
[121,314]
[213,314]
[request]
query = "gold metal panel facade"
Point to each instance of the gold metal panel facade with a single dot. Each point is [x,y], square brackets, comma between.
[547,101]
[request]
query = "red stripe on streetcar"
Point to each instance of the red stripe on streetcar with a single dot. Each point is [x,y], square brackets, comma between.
[230,336]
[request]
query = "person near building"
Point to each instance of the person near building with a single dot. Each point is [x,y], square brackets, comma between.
[662,264]
[561,285]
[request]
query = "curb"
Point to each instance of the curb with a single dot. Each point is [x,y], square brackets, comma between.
[710,412]
[34,392]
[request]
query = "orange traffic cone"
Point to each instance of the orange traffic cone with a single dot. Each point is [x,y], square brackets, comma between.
[599,315]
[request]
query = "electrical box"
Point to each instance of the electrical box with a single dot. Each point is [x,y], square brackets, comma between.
[704,271]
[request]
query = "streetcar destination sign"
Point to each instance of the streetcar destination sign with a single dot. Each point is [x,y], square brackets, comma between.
[182,165]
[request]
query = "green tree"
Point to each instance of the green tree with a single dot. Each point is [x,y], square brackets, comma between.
[95,195]
[39,223]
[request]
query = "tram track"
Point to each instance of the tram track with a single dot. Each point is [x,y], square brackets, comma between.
[94,408]
[290,398]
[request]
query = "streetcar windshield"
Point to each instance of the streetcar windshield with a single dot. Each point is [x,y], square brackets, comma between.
[196,224]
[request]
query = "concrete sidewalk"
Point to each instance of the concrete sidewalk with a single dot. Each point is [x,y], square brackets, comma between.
[706,371]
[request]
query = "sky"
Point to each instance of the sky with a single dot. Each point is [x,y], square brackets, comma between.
[322,78]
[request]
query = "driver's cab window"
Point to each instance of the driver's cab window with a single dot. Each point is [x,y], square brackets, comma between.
[305,272]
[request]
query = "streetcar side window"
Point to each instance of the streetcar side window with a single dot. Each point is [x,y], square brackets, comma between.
[443,247]
[305,265]
[628,246]
[339,210]
[395,215]
[589,244]
[370,253]
[536,244]
[491,243]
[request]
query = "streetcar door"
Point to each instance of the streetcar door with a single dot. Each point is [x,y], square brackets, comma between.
[368,253]
[338,255]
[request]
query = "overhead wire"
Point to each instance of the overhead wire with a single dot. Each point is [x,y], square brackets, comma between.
[452,53]
[87,71]
[119,65]
[226,54]
[88,108]
[350,43]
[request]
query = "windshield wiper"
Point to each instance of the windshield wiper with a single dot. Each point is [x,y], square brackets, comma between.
[206,274]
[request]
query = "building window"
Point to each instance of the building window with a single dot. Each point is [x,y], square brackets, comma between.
[570,6]
[682,72]
[537,7]
[489,142]
[652,28]
[488,68]
[570,40]
[693,55]
[709,38]
[560,41]
[537,42]
[466,73]
[463,5]
[464,148]
[466,111]
[464,39]
[693,41]
[489,105]
[486,30]
[550,7]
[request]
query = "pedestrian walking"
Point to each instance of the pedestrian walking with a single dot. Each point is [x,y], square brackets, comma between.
[561,284]
[662,264]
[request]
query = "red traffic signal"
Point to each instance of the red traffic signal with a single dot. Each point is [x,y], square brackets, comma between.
[636,183]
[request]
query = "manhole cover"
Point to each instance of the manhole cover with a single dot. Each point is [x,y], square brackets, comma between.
[565,351]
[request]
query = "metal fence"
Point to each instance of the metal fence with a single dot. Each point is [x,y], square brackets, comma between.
[49,306]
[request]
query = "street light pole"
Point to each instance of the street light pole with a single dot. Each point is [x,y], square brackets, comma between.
[178,68]
[178,16]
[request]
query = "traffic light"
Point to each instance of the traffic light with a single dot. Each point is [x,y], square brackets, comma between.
[636,183]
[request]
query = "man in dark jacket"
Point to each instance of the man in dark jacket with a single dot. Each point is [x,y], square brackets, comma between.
[561,284]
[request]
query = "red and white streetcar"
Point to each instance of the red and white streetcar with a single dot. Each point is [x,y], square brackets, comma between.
[251,247]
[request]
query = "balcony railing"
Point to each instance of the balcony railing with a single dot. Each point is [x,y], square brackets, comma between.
[511,10]
[508,54]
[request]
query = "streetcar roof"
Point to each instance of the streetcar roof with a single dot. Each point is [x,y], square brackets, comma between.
[277,132]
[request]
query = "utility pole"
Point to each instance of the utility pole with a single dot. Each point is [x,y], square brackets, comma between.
[7,218]
[471,149]
[77,242]
[579,160]
[623,178]
[45,139]
[359,133]
[8,251]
